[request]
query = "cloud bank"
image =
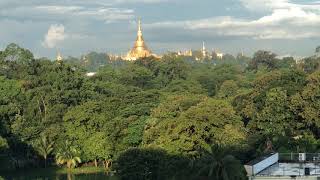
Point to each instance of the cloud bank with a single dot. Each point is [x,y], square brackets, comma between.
[285,20]
[79,26]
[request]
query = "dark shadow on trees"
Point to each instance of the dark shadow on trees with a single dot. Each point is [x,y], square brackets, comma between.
[156,164]
[19,156]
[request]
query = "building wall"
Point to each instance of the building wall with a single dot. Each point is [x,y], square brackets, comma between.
[284,178]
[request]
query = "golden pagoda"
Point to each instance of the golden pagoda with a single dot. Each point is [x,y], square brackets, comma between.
[139,50]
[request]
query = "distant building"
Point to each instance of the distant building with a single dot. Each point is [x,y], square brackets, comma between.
[140,49]
[114,57]
[203,53]
[85,60]
[91,74]
[187,53]
[242,54]
[217,54]
[220,55]
[285,166]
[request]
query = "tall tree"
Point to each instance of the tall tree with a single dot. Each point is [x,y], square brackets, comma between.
[275,118]
[197,127]
[265,59]
[44,148]
[306,104]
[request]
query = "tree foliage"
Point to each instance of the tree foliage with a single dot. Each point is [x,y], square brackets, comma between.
[154,118]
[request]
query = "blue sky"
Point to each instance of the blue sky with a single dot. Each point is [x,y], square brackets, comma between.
[75,27]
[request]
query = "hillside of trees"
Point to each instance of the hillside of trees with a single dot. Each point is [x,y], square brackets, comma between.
[156,119]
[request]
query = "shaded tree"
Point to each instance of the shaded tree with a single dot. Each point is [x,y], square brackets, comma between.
[263,59]
[217,164]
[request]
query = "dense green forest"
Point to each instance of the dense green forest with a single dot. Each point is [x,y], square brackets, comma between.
[169,118]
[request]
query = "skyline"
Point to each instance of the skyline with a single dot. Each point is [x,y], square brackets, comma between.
[77,27]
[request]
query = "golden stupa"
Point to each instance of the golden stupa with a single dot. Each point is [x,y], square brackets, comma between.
[140,49]
[59,58]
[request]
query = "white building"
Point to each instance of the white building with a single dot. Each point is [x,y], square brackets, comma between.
[220,55]
[293,166]
[91,74]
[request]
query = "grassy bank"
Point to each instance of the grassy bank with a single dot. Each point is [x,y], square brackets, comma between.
[81,170]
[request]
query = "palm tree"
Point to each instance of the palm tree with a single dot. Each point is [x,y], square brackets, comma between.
[218,165]
[68,155]
[44,148]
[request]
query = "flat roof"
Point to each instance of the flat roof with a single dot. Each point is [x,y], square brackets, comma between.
[290,169]
[259,159]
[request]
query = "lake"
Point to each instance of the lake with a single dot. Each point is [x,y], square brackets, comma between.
[48,174]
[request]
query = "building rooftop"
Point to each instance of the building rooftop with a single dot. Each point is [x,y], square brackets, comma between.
[291,169]
[259,159]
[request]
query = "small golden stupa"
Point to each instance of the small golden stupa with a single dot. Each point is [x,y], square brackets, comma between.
[140,49]
[59,58]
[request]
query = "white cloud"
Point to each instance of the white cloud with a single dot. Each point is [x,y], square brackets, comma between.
[285,20]
[58,9]
[142,1]
[79,2]
[264,5]
[270,5]
[54,35]
[70,13]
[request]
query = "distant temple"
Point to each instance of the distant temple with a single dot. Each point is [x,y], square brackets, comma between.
[204,50]
[203,53]
[140,50]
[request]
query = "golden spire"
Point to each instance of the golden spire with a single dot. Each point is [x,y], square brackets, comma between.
[140,49]
[139,27]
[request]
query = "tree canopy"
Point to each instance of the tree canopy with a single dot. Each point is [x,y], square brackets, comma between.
[156,118]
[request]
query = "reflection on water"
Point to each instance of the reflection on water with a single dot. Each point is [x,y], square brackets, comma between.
[97,176]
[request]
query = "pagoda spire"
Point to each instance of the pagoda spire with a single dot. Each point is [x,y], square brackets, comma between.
[140,41]
[139,49]
[139,26]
